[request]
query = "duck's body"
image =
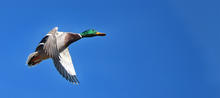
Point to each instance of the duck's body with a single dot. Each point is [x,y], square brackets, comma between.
[63,40]
[67,38]
[55,45]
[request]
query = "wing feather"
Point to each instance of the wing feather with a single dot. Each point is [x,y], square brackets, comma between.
[50,46]
[65,66]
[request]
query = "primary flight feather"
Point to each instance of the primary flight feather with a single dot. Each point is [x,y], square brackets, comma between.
[55,45]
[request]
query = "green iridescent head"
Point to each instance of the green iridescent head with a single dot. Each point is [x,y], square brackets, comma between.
[91,33]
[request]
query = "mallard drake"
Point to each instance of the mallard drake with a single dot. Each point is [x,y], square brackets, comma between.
[55,45]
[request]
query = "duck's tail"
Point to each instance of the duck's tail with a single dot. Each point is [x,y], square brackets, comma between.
[33,59]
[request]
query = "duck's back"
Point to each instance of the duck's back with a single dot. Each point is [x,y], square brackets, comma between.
[64,39]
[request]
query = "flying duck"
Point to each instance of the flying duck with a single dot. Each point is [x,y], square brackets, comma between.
[55,45]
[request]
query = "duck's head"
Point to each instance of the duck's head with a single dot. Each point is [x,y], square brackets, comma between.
[91,33]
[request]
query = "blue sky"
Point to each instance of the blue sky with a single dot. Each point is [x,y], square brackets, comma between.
[153,48]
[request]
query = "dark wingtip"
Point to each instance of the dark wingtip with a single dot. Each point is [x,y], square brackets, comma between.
[74,80]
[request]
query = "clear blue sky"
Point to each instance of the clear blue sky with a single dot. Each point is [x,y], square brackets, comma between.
[153,48]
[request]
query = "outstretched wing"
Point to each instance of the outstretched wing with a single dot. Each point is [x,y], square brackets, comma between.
[65,66]
[50,46]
